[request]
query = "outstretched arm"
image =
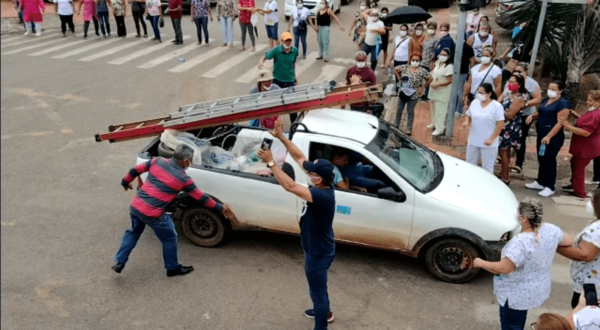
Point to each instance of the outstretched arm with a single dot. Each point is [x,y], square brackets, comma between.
[289,145]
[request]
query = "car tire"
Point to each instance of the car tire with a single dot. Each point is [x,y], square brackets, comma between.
[205,227]
[164,151]
[444,259]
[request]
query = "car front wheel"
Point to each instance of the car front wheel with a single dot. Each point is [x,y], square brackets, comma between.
[451,260]
[204,227]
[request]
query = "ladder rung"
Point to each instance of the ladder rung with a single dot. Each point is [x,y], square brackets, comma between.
[118,129]
[140,125]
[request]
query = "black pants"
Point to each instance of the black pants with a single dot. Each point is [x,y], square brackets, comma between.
[521,152]
[66,20]
[86,26]
[575,299]
[121,29]
[547,163]
[596,170]
[138,17]
[282,85]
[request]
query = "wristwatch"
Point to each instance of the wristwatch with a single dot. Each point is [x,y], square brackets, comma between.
[270,164]
[526,104]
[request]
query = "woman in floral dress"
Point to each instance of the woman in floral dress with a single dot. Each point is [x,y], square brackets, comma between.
[120,11]
[510,137]
[585,252]
[358,26]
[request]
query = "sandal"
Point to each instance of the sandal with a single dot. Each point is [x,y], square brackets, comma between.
[498,160]
[516,170]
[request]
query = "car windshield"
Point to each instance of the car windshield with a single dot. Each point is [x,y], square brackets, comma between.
[412,161]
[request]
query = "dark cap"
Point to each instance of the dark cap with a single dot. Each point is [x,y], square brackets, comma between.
[322,167]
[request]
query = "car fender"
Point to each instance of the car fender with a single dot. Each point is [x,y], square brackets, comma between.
[491,250]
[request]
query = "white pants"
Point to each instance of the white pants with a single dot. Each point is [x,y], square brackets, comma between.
[487,154]
[38,27]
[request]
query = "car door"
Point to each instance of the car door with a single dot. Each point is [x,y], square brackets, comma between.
[364,219]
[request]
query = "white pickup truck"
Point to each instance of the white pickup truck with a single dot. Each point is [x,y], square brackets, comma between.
[435,207]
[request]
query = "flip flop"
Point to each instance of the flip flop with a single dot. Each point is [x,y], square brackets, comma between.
[516,170]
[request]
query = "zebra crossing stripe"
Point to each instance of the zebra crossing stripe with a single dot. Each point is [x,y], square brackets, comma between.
[19,50]
[143,52]
[167,57]
[113,50]
[198,60]
[231,62]
[330,72]
[98,44]
[303,65]
[59,47]
[250,75]
[29,39]
[8,40]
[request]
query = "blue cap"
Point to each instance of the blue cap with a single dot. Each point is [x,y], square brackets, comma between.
[322,167]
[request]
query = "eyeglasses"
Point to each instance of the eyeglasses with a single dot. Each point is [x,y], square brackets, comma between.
[533,325]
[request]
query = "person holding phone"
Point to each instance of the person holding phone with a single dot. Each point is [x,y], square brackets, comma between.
[522,280]
[316,231]
[586,315]
[584,254]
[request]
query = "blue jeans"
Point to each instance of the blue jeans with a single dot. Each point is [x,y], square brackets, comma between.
[364,176]
[300,36]
[164,230]
[272,31]
[373,51]
[227,29]
[462,80]
[156,26]
[512,319]
[316,274]
[103,19]
[202,25]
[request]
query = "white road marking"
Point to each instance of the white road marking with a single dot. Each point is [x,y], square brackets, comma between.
[28,39]
[143,52]
[167,57]
[81,50]
[329,72]
[113,50]
[198,60]
[7,40]
[233,61]
[19,50]
[303,65]
[252,73]
[59,47]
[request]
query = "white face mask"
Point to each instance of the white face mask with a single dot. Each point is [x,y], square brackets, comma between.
[589,207]
[481,97]
[431,32]
[592,108]
[322,6]
[300,6]
[403,33]
[419,32]
[443,58]
[486,59]
[383,15]
[310,180]
[363,7]
[552,94]
[444,33]
[267,88]
[483,33]
[415,64]
[361,65]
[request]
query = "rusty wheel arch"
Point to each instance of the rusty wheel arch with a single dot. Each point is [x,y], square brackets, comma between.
[430,238]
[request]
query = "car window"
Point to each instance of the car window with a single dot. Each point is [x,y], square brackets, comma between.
[415,163]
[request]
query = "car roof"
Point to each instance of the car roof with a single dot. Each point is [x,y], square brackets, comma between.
[347,124]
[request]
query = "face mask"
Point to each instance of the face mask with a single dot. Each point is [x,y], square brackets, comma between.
[403,33]
[361,64]
[476,11]
[431,31]
[383,15]
[443,58]
[481,97]
[419,32]
[592,108]
[486,60]
[552,94]
[310,180]
[590,208]
[415,64]
[483,33]
[363,7]
[372,19]
[267,88]
[300,6]
[513,87]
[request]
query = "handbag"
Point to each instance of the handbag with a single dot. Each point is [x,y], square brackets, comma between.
[302,25]
[161,23]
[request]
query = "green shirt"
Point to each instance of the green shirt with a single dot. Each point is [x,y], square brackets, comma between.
[283,63]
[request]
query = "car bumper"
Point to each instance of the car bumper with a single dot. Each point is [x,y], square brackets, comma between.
[493,250]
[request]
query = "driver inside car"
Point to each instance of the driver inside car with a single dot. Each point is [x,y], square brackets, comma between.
[356,175]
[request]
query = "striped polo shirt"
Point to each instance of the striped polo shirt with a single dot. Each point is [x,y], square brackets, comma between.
[166,178]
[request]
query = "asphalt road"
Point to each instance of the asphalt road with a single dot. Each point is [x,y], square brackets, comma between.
[64,213]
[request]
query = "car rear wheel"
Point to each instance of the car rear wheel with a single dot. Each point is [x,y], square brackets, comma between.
[204,227]
[451,260]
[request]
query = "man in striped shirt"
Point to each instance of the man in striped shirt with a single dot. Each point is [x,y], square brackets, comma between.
[166,178]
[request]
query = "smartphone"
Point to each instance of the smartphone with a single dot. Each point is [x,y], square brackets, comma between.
[269,142]
[591,297]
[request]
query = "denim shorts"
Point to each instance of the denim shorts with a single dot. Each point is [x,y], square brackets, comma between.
[272,31]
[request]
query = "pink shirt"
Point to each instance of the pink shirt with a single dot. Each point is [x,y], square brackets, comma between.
[587,147]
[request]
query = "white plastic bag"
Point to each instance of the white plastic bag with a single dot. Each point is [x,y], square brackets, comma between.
[254,20]
[173,138]
[220,158]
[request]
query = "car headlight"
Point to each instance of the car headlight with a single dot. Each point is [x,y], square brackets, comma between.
[506,237]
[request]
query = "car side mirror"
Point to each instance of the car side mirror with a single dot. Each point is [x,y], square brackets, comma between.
[392,195]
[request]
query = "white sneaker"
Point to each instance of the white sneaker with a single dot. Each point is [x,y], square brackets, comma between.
[591,183]
[535,186]
[39,34]
[436,133]
[431,126]
[546,192]
[26,33]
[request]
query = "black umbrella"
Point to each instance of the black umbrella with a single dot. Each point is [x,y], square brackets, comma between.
[408,14]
